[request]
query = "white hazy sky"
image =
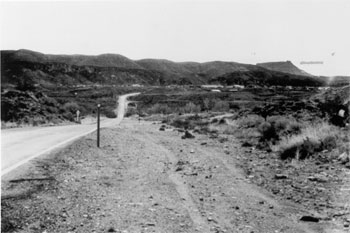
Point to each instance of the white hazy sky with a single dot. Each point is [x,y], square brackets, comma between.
[247,31]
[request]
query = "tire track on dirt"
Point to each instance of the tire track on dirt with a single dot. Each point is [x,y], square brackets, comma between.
[225,199]
[181,188]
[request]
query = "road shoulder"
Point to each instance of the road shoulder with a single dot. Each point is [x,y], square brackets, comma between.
[141,180]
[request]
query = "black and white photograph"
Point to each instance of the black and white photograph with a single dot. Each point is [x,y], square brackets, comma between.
[175,116]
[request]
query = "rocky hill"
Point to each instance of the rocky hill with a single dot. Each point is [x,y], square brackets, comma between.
[50,71]
[285,67]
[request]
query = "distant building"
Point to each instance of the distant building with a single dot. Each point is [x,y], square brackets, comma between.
[323,88]
[211,86]
[136,85]
[235,86]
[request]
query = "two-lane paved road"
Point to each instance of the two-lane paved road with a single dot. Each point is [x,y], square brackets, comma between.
[20,145]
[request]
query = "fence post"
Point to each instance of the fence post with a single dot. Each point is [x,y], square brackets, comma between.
[98,125]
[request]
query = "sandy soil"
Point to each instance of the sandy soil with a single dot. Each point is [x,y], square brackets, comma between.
[144,180]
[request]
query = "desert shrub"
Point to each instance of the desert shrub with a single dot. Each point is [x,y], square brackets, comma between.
[280,125]
[267,131]
[71,107]
[294,128]
[131,111]
[190,108]
[109,113]
[312,139]
[51,109]
[181,123]
[159,109]
[68,116]
[49,102]
[234,106]
[221,106]
[250,121]
[37,120]
[329,142]
[230,129]
[194,117]
[26,82]
[283,126]
[215,120]
[223,126]
[167,119]
[206,104]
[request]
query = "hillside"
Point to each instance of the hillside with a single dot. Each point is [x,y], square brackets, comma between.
[49,71]
[103,60]
[265,77]
[205,70]
[285,67]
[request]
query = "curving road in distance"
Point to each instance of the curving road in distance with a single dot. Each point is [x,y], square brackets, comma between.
[20,145]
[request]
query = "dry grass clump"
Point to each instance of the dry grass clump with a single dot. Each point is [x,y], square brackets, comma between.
[250,121]
[221,106]
[278,126]
[312,139]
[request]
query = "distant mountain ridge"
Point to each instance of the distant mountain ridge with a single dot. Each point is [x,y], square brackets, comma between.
[51,70]
[103,60]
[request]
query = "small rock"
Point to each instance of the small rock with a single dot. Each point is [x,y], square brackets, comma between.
[320,179]
[346,224]
[111,229]
[210,219]
[246,144]
[344,157]
[307,218]
[192,151]
[204,143]
[187,135]
[281,176]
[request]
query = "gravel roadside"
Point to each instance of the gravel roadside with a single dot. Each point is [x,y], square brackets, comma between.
[143,180]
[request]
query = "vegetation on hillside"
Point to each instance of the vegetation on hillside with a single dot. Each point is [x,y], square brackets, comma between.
[67,70]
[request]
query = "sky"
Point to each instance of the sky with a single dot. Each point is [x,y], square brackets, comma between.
[246,31]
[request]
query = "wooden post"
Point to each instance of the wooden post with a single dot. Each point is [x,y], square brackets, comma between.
[98,125]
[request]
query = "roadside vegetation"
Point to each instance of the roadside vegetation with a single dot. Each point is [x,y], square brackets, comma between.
[29,105]
[281,123]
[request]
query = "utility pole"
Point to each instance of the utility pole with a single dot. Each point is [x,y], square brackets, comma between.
[98,125]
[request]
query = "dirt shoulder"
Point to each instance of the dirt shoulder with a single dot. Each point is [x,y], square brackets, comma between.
[144,180]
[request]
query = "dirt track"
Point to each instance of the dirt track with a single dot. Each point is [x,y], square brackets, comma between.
[143,180]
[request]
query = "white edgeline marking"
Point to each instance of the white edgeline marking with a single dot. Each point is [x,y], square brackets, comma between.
[61,144]
[5,171]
